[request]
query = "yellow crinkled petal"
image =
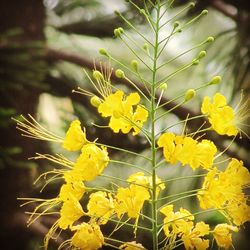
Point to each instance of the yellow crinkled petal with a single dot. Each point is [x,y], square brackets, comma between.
[91,162]
[130,200]
[117,124]
[223,121]
[111,104]
[70,212]
[131,246]
[204,155]
[101,206]
[192,238]
[87,237]
[223,235]
[220,115]
[75,138]
[139,117]
[69,190]
[132,99]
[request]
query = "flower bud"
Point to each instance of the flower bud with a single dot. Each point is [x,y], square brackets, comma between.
[176,24]
[195,62]
[204,12]
[215,80]
[103,52]
[202,54]
[97,75]
[134,65]
[192,4]
[163,86]
[189,94]
[95,101]
[118,32]
[145,46]
[142,11]
[210,39]
[117,13]
[119,73]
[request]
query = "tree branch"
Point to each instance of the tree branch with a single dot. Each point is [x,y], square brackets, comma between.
[227,9]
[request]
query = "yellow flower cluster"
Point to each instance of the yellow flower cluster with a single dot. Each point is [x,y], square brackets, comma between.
[125,112]
[220,115]
[187,150]
[90,163]
[225,191]
[181,224]
[130,200]
[101,204]
[179,221]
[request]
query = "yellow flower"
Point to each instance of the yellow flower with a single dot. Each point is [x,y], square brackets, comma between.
[178,222]
[224,190]
[130,200]
[192,238]
[75,138]
[69,190]
[70,212]
[124,112]
[101,206]
[131,246]
[87,237]
[187,150]
[90,163]
[139,117]
[223,236]
[167,141]
[112,104]
[220,115]
[239,210]
[146,181]
[204,155]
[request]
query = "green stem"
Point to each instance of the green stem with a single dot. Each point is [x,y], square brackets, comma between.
[131,165]
[183,177]
[153,137]
[182,193]
[123,150]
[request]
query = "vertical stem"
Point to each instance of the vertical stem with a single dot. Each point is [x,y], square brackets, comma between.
[153,147]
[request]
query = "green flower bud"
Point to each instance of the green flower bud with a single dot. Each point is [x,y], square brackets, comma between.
[145,46]
[204,12]
[189,94]
[117,13]
[117,33]
[119,73]
[192,4]
[103,52]
[195,62]
[97,75]
[176,24]
[215,80]
[134,65]
[210,39]
[142,11]
[202,54]
[163,86]
[95,101]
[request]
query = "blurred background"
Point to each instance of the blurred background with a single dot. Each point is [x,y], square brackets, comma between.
[44,45]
